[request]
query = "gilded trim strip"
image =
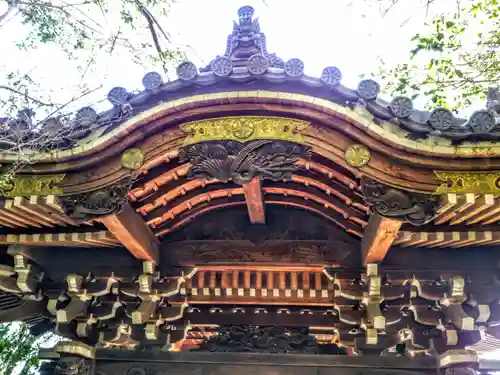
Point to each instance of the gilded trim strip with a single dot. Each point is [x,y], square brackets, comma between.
[244,129]
[31,185]
[468,182]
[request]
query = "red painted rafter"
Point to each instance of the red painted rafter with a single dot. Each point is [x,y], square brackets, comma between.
[255,201]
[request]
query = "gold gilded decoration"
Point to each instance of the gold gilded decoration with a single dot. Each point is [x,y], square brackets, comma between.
[468,182]
[75,348]
[357,155]
[133,158]
[244,128]
[30,185]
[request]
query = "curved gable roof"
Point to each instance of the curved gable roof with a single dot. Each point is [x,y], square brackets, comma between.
[247,72]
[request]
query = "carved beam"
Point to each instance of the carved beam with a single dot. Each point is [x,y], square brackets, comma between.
[378,237]
[131,230]
[255,201]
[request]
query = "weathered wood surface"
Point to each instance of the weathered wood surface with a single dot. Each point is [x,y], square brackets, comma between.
[126,362]
[255,201]
[378,237]
[117,362]
[129,228]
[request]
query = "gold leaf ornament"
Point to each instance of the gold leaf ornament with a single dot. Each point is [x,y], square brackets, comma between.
[357,155]
[244,129]
[132,159]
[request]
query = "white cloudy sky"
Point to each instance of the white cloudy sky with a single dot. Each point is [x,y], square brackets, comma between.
[350,34]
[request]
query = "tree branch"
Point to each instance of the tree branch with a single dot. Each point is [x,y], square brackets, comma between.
[11,6]
[72,100]
[151,22]
[20,93]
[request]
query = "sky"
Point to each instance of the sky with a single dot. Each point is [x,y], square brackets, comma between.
[350,34]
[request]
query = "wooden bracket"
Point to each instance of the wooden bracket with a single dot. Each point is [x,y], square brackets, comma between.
[131,230]
[378,237]
[255,201]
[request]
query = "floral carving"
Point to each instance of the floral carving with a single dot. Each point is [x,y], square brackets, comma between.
[187,71]
[441,119]
[400,205]
[294,68]
[368,89]
[401,107]
[331,76]
[87,206]
[242,162]
[257,64]
[261,340]
[221,66]
[482,121]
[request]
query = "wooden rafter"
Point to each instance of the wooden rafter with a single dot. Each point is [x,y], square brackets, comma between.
[131,230]
[255,201]
[378,237]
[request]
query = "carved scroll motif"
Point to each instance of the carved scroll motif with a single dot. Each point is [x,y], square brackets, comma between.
[87,206]
[397,204]
[242,162]
[261,340]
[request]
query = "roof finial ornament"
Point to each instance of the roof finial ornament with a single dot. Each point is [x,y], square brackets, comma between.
[245,14]
[245,42]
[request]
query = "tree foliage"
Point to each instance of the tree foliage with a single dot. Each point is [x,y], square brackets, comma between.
[88,34]
[18,350]
[454,60]
[85,31]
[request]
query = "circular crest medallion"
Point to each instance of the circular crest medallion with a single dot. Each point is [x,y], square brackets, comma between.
[401,107]
[187,71]
[152,80]
[133,158]
[257,64]
[221,66]
[331,76]
[441,119]
[86,116]
[482,121]
[294,68]
[242,129]
[368,89]
[357,155]
[136,370]
[118,96]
